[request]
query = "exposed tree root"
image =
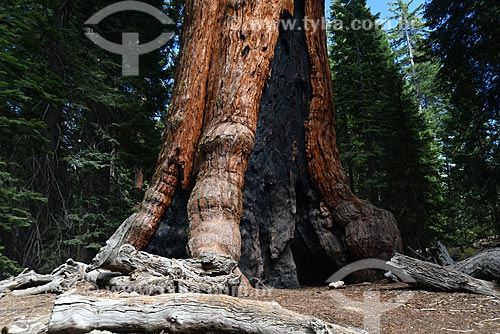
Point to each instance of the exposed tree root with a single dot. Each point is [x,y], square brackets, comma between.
[151,274]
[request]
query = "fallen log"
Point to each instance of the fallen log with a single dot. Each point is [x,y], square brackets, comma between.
[54,286]
[142,283]
[208,273]
[151,284]
[60,279]
[28,326]
[433,277]
[182,313]
[26,279]
[129,259]
[485,265]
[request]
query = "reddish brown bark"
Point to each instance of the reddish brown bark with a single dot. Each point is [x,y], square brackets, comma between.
[370,231]
[139,178]
[245,35]
[232,41]
[227,50]
[184,121]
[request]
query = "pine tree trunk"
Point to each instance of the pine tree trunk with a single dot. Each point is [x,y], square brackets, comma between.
[250,138]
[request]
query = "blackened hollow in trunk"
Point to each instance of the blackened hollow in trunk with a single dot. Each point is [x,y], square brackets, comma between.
[288,236]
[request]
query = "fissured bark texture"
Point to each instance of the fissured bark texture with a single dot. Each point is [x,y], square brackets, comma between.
[249,166]
[294,231]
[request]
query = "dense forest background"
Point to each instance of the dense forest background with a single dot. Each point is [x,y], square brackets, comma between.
[417,120]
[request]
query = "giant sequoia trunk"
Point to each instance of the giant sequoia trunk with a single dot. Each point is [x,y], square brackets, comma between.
[249,165]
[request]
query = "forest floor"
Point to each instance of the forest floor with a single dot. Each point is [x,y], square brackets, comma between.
[410,311]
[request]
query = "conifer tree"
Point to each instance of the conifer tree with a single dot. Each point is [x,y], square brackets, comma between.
[360,58]
[385,142]
[101,130]
[464,38]
[419,70]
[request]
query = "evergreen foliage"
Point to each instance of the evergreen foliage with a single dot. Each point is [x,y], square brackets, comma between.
[384,140]
[464,37]
[417,120]
[80,133]
[17,140]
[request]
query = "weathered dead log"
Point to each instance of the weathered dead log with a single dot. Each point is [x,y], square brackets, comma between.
[213,264]
[430,276]
[153,284]
[137,271]
[150,274]
[101,277]
[107,253]
[485,265]
[54,286]
[26,279]
[129,259]
[143,283]
[28,326]
[70,268]
[61,279]
[182,313]
[183,271]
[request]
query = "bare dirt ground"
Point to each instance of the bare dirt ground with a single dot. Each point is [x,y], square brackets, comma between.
[411,311]
[415,312]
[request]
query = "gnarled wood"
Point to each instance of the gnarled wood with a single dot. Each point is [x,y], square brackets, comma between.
[129,259]
[28,326]
[143,283]
[369,231]
[26,279]
[227,53]
[151,274]
[184,313]
[485,265]
[30,283]
[434,277]
[54,286]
